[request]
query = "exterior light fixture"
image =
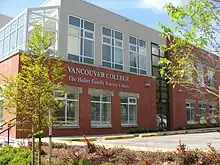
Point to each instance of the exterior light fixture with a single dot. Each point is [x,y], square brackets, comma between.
[147,84]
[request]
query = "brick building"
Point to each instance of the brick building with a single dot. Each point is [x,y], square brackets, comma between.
[111,70]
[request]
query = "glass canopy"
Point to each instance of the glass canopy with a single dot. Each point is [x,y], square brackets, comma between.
[14,35]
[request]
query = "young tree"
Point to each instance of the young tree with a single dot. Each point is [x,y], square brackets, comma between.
[193,43]
[30,92]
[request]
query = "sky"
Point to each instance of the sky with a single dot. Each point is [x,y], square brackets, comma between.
[147,12]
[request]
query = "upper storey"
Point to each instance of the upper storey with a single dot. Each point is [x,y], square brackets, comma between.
[86,34]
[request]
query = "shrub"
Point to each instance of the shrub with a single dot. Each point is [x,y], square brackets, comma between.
[79,162]
[142,130]
[15,156]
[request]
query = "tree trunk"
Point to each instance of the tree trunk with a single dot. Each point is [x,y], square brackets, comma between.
[33,146]
[39,151]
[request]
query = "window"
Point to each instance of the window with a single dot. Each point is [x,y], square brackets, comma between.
[138,55]
[128,111]
[202,109]
[210,78]
[68,113]
[190,108]
[81,40]
[112,48]
[100,109]
[1,110]
[213,111]
[200,75]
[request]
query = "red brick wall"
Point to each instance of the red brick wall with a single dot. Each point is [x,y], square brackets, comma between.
[9,67]
[146,104]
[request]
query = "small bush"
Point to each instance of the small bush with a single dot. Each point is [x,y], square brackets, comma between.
[59,145]
[15,156]
[79,162]
[142,130]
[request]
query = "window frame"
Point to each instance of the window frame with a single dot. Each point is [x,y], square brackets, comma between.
[65,99]
[202,110]
[192,119]
[81,38]
[101,102]
[128,114]
[138,68]
[112,46]
[211,110]
[212,85]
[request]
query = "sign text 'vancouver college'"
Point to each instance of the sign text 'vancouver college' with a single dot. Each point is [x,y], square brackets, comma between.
[97,74]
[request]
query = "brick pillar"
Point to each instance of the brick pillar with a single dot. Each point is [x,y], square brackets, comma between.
[84,112]
[116,113]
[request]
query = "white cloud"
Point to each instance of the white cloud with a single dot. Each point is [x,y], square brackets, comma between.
[158,5]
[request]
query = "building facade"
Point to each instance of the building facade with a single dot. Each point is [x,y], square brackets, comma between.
[111,70]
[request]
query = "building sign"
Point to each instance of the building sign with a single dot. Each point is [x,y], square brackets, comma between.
[78,73]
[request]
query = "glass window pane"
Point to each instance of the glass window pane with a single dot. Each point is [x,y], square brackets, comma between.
[88,48]
[106,52]
[14,25]
[133,48]
[50,24]
[143,62]
[89,35]
[118,56]
[142,51]
[106,31]
[124,113]
[1,48]
[21,20]
[105,117]
[89,26]
[155,49]
[133,59]
[1,34]
[72,112]
[118,43]
[132,40]
[106,98]
[106,64]
[74,21]
[133,70]
[73,45]
[118,35]
[120,67]
[60,114]
[106,40]
[7,30]
[132,114]
[72,95]
[73,57]
[155,60]
[142,43]
[95,98]
[13,41]
[95,113]
[20,36]
[6,44]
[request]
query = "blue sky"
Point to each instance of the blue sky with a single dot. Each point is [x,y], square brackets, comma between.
[147,12]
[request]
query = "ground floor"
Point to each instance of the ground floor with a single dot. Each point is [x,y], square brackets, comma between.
[98,100]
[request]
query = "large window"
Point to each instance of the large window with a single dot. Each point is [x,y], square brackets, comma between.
[202,109]
[68,112]
[112,48]
[128,111]
[200,75]
[213,111]
[81,40]
[210,78]
[100,110]
[138,55]
[190,108]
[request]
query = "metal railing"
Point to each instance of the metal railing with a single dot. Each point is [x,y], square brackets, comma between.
[10,126]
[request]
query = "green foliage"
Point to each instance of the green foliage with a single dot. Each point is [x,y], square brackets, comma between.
[142,130]
[15,156]
[30,93]
[194,25]
[79,162]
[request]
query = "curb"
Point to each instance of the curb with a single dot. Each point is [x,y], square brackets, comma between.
[118,137]
[178,132]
